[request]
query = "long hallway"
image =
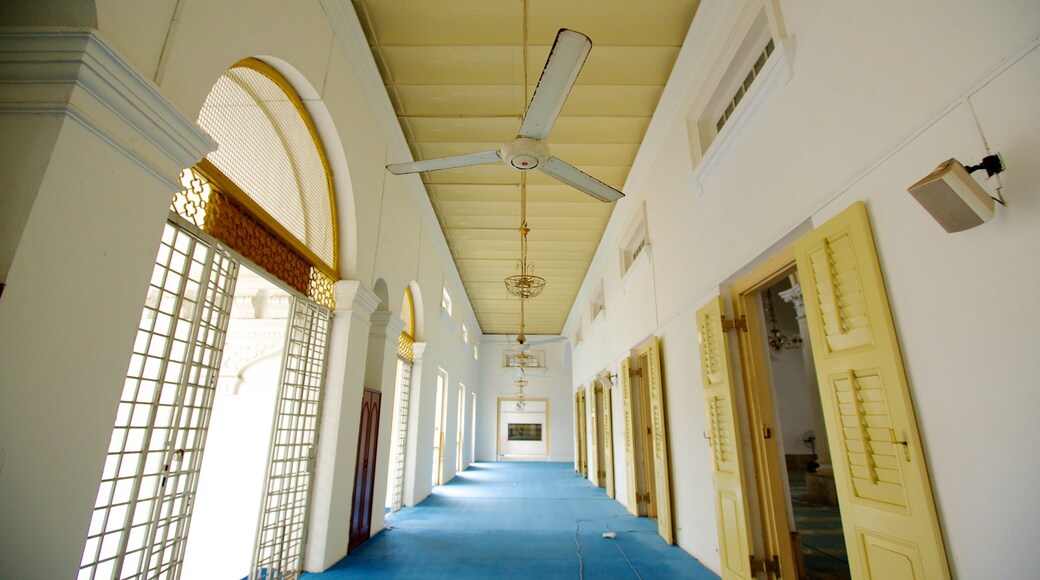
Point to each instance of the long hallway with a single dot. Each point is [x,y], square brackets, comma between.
[517,520]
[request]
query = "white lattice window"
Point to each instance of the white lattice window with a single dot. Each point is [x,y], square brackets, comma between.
[270,149]
[278,552]
[399,437]
[139,525]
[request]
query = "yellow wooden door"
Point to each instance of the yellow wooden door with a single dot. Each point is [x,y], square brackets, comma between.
[731,505]
[630,455]
[608,442]
[593,437]
[891,527]
[659,426]
[577,433]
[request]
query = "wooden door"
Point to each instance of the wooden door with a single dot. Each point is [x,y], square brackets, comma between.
[731,504]
[659,432]
[365,471]
[891,526]
[631,502]
[583,416]
[608,442]
[593,436]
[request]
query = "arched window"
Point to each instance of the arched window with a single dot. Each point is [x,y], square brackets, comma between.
[266,191]
[404,348]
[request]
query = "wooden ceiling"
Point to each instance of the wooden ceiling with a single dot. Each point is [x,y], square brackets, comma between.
[456,74]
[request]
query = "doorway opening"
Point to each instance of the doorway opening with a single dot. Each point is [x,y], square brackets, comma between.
[793,467]
[646,492]
[438,429]
[460,433]
[581,433]
[599,478]
[523,429]
[231,479]
[605,424]
[646,437]
[888,515]
[365,469]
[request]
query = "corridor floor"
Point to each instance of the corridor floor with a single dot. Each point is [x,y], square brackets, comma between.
[517,520]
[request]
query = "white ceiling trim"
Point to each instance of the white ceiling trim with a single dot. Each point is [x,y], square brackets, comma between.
[351,36]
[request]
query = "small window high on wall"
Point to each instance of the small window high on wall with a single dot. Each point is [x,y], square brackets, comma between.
[635,245]
[752,61]
[446,303]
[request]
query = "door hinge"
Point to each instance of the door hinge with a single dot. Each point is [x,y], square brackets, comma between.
[635,372]
[643,496]
[767,566]
[731,324]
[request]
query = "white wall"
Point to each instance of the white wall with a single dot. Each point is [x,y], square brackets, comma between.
[99,195]
[552,383]
[879,94]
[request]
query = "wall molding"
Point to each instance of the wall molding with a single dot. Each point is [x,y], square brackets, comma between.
[76,74]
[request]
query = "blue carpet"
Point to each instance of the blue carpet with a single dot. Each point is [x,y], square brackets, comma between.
[517,520]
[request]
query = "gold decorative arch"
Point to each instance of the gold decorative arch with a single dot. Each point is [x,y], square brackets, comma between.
[220,206]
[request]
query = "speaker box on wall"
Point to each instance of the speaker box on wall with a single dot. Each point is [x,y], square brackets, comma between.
[953,198]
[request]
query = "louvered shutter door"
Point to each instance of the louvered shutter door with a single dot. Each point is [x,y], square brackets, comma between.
[630,459]
[608,441]
[593,439]
[660,432]
[724,435]
[891,527]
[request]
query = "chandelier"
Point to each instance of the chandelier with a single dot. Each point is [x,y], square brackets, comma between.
[778,341]
[524,285]
[521,384]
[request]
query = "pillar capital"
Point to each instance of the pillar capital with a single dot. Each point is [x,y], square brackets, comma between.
[386,324]
[794,297]
[354,299]
[75,73]
[419,350]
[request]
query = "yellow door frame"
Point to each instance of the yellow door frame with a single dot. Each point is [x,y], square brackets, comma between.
[779,546]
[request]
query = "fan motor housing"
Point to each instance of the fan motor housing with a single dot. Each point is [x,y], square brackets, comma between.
[524,153]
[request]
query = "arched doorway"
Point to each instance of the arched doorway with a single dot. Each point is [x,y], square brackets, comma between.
[264,202]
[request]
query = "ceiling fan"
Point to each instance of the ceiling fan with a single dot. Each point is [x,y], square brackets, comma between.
[528,150]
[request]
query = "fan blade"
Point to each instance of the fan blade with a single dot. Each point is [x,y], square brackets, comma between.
[547,341]
[482,158]
[578,179]
[565,60]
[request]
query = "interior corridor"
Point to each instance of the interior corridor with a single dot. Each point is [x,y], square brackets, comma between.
[517,520]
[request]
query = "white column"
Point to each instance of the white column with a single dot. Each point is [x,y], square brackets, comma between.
[91,151]
[823,449]
[329,529]
[380,374]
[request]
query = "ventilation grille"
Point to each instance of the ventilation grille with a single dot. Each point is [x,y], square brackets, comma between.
[745,86]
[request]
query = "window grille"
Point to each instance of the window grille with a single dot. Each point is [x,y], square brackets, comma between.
[269,147]
[278,552]
[399,441]
[745,86]
[214,204]
[139,526]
